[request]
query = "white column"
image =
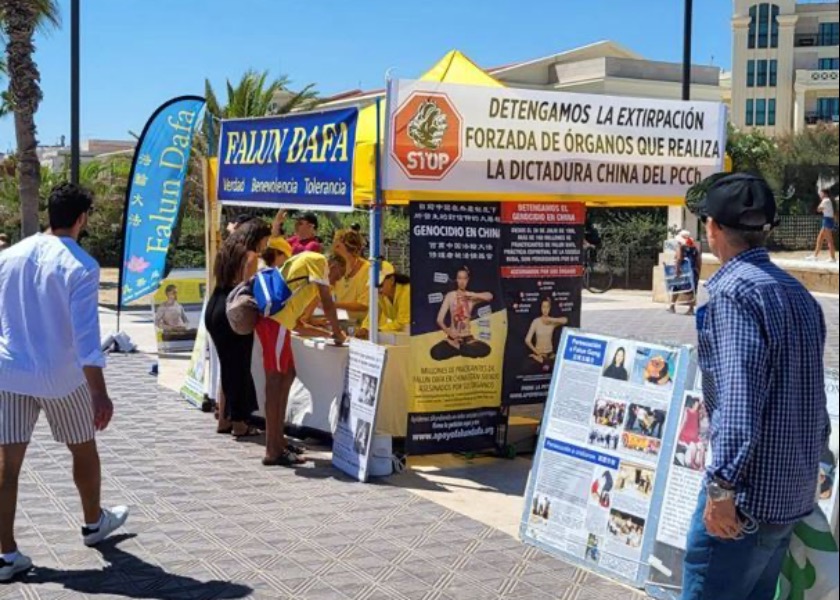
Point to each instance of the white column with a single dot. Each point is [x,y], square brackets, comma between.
[799,110]
[740,29]
[786,55]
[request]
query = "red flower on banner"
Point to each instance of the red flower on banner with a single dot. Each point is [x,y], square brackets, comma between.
[137,264]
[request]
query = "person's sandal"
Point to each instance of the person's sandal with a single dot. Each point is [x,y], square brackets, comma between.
[250,432]
[294,449]
[287,459]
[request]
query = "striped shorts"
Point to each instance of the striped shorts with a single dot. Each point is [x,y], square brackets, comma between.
[70,418]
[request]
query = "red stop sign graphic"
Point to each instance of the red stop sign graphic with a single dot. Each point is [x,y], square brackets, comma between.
[427,136]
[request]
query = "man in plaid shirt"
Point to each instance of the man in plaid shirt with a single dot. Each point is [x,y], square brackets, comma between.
[761,342]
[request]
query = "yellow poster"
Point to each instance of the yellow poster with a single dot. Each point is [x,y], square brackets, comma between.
[459,327]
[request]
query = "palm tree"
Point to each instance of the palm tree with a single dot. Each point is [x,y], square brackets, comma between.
[253,96]
[18,20]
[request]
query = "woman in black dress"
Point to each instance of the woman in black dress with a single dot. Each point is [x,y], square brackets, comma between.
[236,261]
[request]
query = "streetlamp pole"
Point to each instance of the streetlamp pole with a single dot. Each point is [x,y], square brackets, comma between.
[74,92]
[686,78]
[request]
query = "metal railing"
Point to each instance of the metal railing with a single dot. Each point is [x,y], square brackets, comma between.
[813,118]
[815,40]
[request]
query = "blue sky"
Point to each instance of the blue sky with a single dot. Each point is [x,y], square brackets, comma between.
[138,53]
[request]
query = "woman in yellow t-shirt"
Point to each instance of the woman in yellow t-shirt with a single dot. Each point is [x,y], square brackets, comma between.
[351,291]
[394,303]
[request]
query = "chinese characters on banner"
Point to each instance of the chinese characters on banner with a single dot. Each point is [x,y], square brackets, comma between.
[459,327]
[493,284]
[153,197]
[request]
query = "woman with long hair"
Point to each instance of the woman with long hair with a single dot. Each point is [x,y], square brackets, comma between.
[236,261]
[617,369]
[352,290]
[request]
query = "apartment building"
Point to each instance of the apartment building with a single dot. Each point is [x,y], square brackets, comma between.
[785,64]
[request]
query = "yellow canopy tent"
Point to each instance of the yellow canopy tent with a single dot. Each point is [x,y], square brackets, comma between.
[452,68]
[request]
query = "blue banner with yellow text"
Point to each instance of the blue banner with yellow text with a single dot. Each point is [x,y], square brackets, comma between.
[153,197]
[302,161]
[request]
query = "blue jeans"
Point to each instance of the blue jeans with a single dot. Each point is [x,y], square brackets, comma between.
[746,569]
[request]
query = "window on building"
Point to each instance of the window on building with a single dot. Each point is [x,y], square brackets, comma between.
[763,25]
[771,112]
[829,34]
[829,64]
[750,113]
[774,26]
[761,75]
[774,73]
[750,73]
[761,112]
[828,109]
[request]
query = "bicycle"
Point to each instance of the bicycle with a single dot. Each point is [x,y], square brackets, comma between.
[597,276]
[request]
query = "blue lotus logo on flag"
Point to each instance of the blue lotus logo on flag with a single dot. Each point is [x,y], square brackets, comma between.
[153,197]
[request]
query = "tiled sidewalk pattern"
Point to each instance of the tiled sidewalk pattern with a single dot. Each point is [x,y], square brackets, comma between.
[207,513]
[209,521]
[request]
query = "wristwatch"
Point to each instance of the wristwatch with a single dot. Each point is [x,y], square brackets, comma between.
[719,491]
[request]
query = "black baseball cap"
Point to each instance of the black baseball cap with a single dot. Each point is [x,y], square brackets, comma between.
[309,217]
[740,201]
[240,219]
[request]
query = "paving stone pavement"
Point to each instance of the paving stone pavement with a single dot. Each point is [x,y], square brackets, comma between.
[209,521]
[636,316]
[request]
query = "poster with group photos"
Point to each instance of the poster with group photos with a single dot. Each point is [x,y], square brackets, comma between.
[600,462]
[356,426]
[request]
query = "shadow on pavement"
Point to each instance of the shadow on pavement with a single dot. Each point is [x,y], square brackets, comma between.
[131,577]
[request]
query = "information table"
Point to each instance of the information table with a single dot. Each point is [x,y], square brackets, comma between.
[316,393]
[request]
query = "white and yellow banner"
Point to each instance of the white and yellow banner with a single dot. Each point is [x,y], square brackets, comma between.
[465,142]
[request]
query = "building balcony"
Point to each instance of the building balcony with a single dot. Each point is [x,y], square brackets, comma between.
[817,80]
[814,40]
[815,118]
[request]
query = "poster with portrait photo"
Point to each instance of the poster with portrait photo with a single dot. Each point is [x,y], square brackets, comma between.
[459,327]
[620,357]
[654,368]
[356,422]
[541,258]
[177,308]
[606,480]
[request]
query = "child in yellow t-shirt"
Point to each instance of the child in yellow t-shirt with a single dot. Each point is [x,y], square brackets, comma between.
[306,276]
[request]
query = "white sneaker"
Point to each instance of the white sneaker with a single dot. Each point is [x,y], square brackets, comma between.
[110,521]
[8,570]
[811,258]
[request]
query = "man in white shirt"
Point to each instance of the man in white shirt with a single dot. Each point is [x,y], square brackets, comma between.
[51,361]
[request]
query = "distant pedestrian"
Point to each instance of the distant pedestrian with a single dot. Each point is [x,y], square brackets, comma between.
[688,251]
[51,361]
[761,344]
[826,235]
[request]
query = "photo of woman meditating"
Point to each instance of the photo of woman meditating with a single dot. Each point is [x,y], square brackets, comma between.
[458,305]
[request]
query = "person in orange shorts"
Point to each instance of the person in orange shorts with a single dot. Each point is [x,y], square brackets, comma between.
[306,276]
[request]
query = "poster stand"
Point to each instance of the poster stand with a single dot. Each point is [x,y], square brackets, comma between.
[598,477]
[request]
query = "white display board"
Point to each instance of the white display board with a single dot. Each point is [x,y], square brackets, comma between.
[356,423]
[601,460]
[688,462]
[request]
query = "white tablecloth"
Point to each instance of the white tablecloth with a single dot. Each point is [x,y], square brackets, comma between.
[316,393]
